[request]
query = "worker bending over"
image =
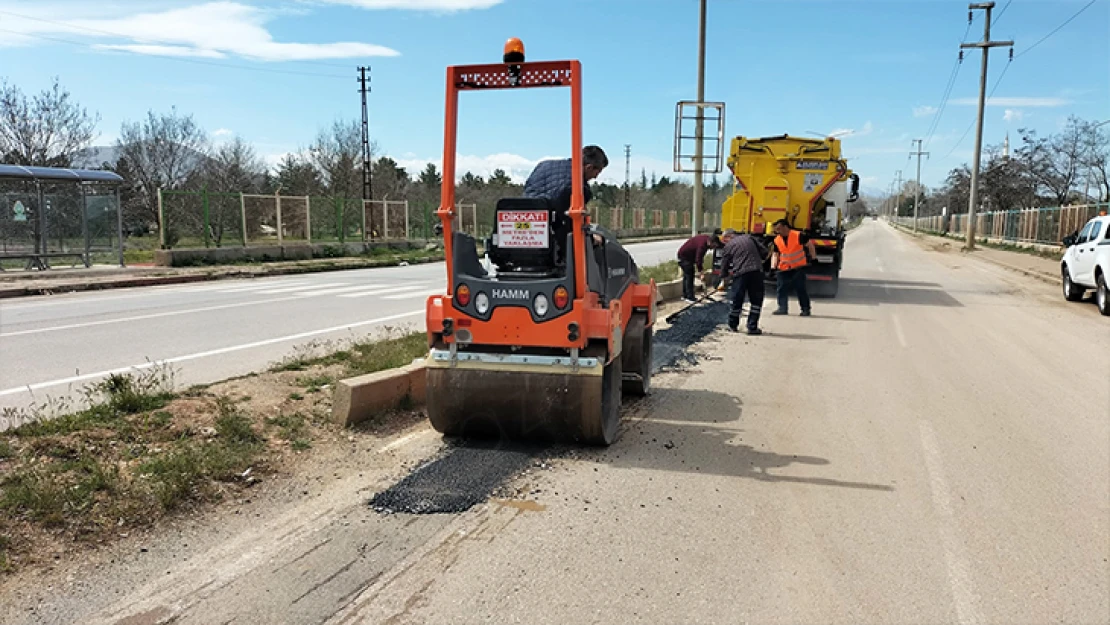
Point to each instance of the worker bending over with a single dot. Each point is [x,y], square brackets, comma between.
[553,179]
[691,257]
[792,253]
[742,265]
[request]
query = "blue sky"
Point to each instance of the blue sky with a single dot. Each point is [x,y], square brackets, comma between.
[275,72]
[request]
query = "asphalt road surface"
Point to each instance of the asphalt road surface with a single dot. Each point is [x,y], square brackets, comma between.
[54,346]
[930,447]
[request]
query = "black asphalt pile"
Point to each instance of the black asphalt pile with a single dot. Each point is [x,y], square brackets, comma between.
[464,476]
[468,472]
[671,346]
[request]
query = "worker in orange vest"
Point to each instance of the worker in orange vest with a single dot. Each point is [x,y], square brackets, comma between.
[793,250]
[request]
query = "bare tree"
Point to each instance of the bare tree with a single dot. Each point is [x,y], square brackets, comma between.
[1055,162]
[1097,162]
[164,151]
[337,154]
[47,129]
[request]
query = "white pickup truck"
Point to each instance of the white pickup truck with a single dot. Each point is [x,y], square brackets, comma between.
[1086,262]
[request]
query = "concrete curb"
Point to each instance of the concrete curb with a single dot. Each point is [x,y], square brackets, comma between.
[1039,275]
[362,398]
[359,399]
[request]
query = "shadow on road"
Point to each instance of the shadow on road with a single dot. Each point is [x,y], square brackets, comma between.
[875,292]
[685,430]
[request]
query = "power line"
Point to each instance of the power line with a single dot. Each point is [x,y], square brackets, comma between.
[951,83]
[181,59]
[122,36]
[999,16]
[1012,57]
[972,125]
[1057,29]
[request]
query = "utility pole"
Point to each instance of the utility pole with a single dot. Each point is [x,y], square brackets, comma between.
[898,190]
[917,189]
[986,44]
[367,186]
[695,213]
[627,176]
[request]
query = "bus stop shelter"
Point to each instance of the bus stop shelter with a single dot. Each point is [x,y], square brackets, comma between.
[53,213]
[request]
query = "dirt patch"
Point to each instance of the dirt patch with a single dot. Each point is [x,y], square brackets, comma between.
[141,453]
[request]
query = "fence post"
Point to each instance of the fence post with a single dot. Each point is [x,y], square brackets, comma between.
[243,216]
[119,222]
[308,219]
[277,206]
[85,224]
[161,220]
[408,233]
[204,203]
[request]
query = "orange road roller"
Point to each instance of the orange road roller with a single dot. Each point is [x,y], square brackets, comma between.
[541,340]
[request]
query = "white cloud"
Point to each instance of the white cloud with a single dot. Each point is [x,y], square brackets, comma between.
[1013,115]
[211,30]
[1014,102]
[222,132]
[420,5]
[154,50]
[518,167]
[842,133]
[924,111]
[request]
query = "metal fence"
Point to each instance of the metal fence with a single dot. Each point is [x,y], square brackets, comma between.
[62,222]
[195,219]
[205,219]
[1046,226]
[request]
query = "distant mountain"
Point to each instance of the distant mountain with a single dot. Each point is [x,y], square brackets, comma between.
[95,157]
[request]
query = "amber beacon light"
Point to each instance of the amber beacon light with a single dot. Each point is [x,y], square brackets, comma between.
[514,51]
[514,56]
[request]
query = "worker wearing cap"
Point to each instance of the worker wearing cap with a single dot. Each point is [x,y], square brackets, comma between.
[792,252]
[742,265]
[691,257]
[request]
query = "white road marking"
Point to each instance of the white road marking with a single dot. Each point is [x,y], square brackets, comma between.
[377,291]
[171,313]
[898,330]
[879,262]
[404,440]
[346,289]
[301,287]
[424,293]
[214,352]
[959,576]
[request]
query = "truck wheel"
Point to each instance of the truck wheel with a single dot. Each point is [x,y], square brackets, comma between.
[1072,291]
[1102,296]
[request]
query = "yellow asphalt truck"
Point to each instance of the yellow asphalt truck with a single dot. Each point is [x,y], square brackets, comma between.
[804,181]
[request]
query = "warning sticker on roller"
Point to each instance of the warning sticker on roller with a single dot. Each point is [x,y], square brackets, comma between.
[522,229]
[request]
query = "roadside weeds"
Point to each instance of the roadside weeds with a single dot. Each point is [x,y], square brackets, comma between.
[142,451]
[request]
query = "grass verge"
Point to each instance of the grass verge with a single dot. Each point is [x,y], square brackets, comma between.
[663,272]
[354,358]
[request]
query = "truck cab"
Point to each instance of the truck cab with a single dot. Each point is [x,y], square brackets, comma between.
[1085,264]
